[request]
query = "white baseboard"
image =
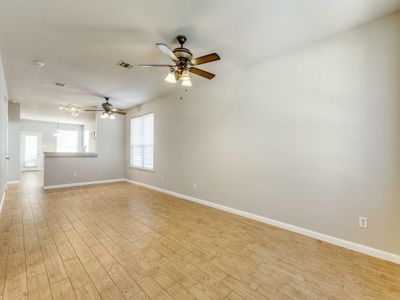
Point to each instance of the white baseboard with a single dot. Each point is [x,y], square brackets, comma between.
[13,181]
[59,186]
[313,234]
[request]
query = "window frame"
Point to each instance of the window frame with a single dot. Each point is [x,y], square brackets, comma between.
[130,143]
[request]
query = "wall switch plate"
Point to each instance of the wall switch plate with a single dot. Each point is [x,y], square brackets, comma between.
[363,222]
[195,186]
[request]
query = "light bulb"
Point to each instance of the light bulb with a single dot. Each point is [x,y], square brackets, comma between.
[61,107]
[187,82]
[185,75]
[170,78]
[112,117]
[104,115]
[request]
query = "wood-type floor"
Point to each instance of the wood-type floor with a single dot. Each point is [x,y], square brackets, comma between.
[121,241]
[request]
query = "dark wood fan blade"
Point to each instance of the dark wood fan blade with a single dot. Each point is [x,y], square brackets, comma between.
[93,110]
[150,65]
[205,59]
[202,73]
[119,112]
[164,48]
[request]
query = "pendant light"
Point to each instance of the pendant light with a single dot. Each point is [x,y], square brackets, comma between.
[58,132]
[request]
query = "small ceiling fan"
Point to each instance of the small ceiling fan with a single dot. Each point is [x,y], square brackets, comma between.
[184,63]
[108,110]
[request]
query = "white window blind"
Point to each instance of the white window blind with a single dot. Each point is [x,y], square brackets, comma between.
[67,141]
[142,142]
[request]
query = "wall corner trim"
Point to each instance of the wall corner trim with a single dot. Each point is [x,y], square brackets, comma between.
[313,234]
[3,197]
[67,185]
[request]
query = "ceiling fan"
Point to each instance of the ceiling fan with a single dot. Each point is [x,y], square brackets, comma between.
[108,110]
[184,63]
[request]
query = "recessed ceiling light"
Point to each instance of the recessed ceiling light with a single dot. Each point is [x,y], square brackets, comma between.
[38,63]
[58,84]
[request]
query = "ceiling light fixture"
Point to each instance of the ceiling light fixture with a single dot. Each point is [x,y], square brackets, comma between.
[185,75]
[112,116]
[186,82]
[104,115]
[58,132]
[185,78]
[71,108]
[171,78]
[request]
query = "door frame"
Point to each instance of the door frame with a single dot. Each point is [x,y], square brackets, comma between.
[40,150]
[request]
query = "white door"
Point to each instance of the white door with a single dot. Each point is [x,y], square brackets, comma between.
[31,151]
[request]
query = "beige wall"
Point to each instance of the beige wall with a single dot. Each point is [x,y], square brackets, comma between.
[14,142]
[108,164]
[310,137]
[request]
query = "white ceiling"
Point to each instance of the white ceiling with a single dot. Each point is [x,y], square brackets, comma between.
[81,41]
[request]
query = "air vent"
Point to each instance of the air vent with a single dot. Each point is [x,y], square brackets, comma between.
[124,64]
[58,84]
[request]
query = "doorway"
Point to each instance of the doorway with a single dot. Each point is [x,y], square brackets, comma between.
[31,151]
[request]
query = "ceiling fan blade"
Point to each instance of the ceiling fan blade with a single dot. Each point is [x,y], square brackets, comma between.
[93,110]
[150,66]
[205,59]
[202,73]
[119,112]
[164,48]
[117,109]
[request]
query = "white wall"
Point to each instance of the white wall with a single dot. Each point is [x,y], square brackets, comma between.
[310,138]
[3,130]
[91,126]
[48,129]
[14,142]
[108,164]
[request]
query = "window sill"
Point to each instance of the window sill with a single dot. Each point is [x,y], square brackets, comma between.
[141,169]
[70,154]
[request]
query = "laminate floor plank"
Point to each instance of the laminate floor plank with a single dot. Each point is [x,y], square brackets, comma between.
[122,241]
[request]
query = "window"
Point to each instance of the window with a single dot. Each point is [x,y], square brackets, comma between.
[142,142]
[67,141]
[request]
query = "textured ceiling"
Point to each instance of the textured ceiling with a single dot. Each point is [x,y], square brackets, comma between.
[81,41]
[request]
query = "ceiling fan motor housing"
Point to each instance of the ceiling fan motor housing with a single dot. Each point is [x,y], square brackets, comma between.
[107,106]
[183,54]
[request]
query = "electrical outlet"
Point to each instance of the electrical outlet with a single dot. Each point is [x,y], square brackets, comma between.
[195,186]
[75,174]
[363,222]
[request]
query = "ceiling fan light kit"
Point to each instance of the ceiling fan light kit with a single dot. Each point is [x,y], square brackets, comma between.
[108,111]
[171,77]
[184,63]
